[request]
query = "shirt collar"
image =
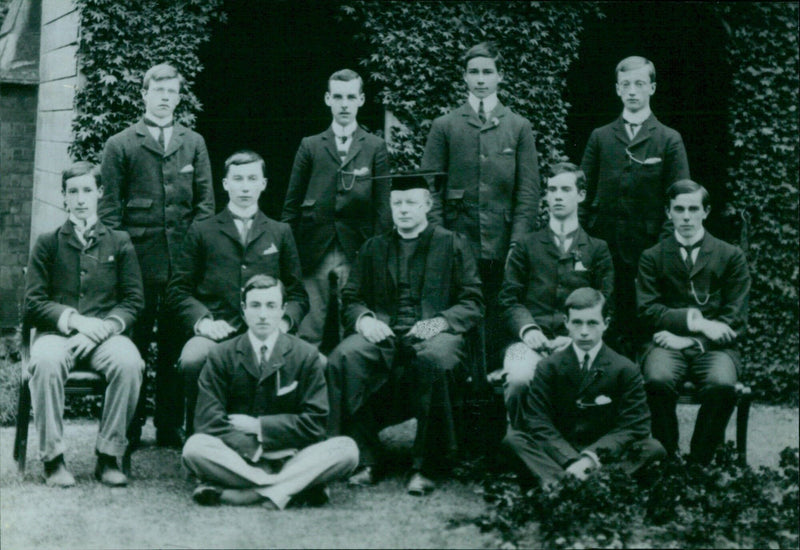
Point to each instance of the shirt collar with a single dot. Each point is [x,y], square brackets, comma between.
[270,343]
[79,224]
[592,353]
[696,239]
[564,227]
[340,130]
[243,213]
[638,117]
[489,103]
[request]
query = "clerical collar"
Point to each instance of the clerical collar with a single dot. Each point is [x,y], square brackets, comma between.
[489,103]
[694,240]
[340,130]
[579,353]
[269,342]
[638,117]
[415,234]
[83,225]
[564,227]
[243,212]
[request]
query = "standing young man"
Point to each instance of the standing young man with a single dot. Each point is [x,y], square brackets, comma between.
[629,165]
[491,195]
[157,179]
[692,292]
[217,258]
[332,203]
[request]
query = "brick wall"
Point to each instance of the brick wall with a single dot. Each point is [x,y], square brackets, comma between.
[17,143]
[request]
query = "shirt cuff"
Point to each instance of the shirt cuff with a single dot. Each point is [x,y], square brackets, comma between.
[119,320]
[699,345]
[592,456]
[365,314]
[526,328]
[63,320]
[257,454]
[206,316]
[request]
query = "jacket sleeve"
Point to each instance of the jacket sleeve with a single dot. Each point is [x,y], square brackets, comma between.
[357,293]
[589,165]
[633,417]
[203,191]
[735,293]
[468,308]
[511,299]
[435,159]
[295,431]
[298,184]
[649,301]
[676,167]
[112,176]
[527,191]
[381,190]
[187,274]
[211,416]
[41,310]
[129,282]
[603,270]
[292,278]
[538,413]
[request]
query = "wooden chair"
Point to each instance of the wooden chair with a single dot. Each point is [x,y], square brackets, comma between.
[79,382]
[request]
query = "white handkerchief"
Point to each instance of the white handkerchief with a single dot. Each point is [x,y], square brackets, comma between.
[187,168]
[271,250]
[579,266]
[287,389]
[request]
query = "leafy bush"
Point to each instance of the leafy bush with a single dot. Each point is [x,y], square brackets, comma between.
[119,41]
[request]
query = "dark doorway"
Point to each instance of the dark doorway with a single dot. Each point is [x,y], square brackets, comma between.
[686,42]
[264,78]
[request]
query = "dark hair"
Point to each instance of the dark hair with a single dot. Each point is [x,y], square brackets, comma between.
[245,156]
[77,169]
[635,62]
[683,187]
[485,49]
[346,75]
[262,281]
[162,71]
[569,168]
[586,298]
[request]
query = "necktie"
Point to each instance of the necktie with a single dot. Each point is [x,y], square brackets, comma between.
[632,128]
[585,364]
[263,363]
[160,139]
[562,240]
[688,249]
[344,139]
[245,229]
[481,113]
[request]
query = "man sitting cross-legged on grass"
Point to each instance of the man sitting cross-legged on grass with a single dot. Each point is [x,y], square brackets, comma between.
[584,399]
[261,414]
[84,292]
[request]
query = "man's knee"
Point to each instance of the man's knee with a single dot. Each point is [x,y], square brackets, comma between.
[125,358]
[196,447]
[443,352]
[658,373]
[49,358]
[345,450]
[193,355]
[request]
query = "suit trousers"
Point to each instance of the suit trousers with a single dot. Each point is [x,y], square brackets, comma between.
[491,272]
[211,460]
[116,359]
[541,465]
[318,287]
[714,373]
[519,366]
[193,357]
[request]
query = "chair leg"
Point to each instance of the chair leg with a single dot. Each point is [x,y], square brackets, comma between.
[742,418]
[23,419]
[126,461]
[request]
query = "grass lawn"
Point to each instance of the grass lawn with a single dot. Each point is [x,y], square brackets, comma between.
[155,511]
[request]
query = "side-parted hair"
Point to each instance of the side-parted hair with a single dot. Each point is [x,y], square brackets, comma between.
[162,71]
[569,168]
[683,187]
[485,49]
[245,156]
[260,281]
[346,75]
[635,62]
[77,169]
[586,298]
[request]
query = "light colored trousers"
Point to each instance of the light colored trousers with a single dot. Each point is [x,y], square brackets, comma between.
[519,366]
[211,460]
[117,359]
[318,288]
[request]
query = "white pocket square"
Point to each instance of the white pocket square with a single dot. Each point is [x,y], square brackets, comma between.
[508,150]
[270,250]
[287,389]
[186,169]
[579,266]
[652,160]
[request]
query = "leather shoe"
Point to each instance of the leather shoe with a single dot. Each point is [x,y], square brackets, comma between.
[108,472]
[56,473]
[169,437]
[363,478]
[419,485]
[207,495]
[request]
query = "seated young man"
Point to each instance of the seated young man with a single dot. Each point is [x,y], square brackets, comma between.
[542,270]
[692,294]
[584,399]
[414,292]
[261,414]
[83,294]
[217,258]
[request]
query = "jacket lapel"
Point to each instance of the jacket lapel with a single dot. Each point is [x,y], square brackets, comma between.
[620,133]
[329,142]
[259,226]
[704,254]
[227,226]
[596,372]
[277,358]
[498,113]
[673,262]
[469,116]
[549,244]
[355,147]
[67,233]
[246,357]
[176,140]
[645,132]
[147,140]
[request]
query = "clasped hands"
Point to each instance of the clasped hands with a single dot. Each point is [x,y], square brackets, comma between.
[376,331]
[716,331]
[91,332]
[537,341]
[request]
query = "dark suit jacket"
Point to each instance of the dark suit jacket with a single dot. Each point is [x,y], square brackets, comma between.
[665,290]
[538,279]
[451,287]
[563,418]
[625,199]
[492,191]
[101,281]
[289,397]
[214,266]
[322,207]
[155,195]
